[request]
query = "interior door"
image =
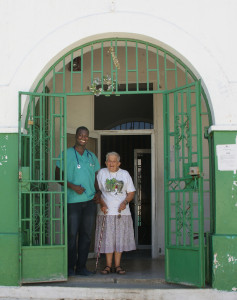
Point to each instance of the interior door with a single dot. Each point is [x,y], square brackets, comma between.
[142,199]
[184,233]
[42,203]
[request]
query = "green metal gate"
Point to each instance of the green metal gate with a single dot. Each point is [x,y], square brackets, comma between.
[184,256]
[42,209]
[107,67]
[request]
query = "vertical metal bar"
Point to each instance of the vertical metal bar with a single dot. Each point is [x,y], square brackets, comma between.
[147,68]
[200,183]
[126,63]
[111,64]
[211,184]
[137,79]
[176,137]
[184,220]
[61,206]
[31,216]
[34,140]
[176,74]
[53,100]
[30,140]
[82,69]
[62,132]
[166,169]
[41,221]
[49,132]
[51,154]
[44,217]
[182,128]
[52,232]
[192,217]
[176,165]
[158,69]
[54,80]
[116,69]
[64,81]
[65,178]
[186,76]
[44,85]
[19,186]
[165,69]
[189,143]
[71,72]
[41,142]
[102,65]
[92,63]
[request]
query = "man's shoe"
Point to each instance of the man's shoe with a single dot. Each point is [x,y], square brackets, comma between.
[83,272]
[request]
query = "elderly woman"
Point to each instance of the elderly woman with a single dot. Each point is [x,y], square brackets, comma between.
[117,191]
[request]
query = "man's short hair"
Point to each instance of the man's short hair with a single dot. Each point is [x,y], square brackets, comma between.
[82,128]
[112,153]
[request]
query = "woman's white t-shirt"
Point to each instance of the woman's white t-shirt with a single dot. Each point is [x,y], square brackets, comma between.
[114,188]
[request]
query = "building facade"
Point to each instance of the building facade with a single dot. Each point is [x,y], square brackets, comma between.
[157,83]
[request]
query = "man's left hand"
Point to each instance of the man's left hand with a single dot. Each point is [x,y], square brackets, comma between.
[97,197]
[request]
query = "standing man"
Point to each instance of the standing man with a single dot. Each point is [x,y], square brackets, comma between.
[82,195]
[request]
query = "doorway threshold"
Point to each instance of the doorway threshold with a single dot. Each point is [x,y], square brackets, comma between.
[142,272]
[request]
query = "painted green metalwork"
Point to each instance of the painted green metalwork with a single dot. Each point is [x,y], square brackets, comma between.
[184,186]
[186,116]
[165,63]
[42,207]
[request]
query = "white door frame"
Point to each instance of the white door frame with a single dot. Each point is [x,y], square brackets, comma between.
[98,133]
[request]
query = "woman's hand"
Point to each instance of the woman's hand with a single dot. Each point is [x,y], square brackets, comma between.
[104,208]
[122,206]
[128,199]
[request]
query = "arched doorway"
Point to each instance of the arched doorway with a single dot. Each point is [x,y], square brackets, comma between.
[67,96]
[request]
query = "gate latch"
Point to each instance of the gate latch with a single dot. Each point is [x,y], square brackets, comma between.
[194,171]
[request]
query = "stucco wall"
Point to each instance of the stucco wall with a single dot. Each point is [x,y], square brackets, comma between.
[35,33]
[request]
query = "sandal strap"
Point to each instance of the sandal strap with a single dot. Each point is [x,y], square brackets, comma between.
[106,270]
[119,270]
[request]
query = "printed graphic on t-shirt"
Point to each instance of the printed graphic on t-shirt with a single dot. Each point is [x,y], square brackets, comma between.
[113,185]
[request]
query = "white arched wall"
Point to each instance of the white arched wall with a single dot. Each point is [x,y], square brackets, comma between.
[124,24]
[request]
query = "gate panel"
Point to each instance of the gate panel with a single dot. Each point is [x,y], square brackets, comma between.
[185,261]
[42,204]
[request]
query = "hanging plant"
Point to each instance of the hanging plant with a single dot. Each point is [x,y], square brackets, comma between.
[96,86]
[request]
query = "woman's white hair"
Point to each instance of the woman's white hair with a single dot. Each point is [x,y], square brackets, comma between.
[112,153]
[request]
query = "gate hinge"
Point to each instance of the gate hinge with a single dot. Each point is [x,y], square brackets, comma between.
[20,175]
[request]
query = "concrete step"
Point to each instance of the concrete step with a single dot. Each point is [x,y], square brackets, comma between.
[102,293]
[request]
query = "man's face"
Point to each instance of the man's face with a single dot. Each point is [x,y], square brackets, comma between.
[82,138]
[112,163]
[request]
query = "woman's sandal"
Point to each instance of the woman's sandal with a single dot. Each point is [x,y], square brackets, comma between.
[119,270]
[107,270]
